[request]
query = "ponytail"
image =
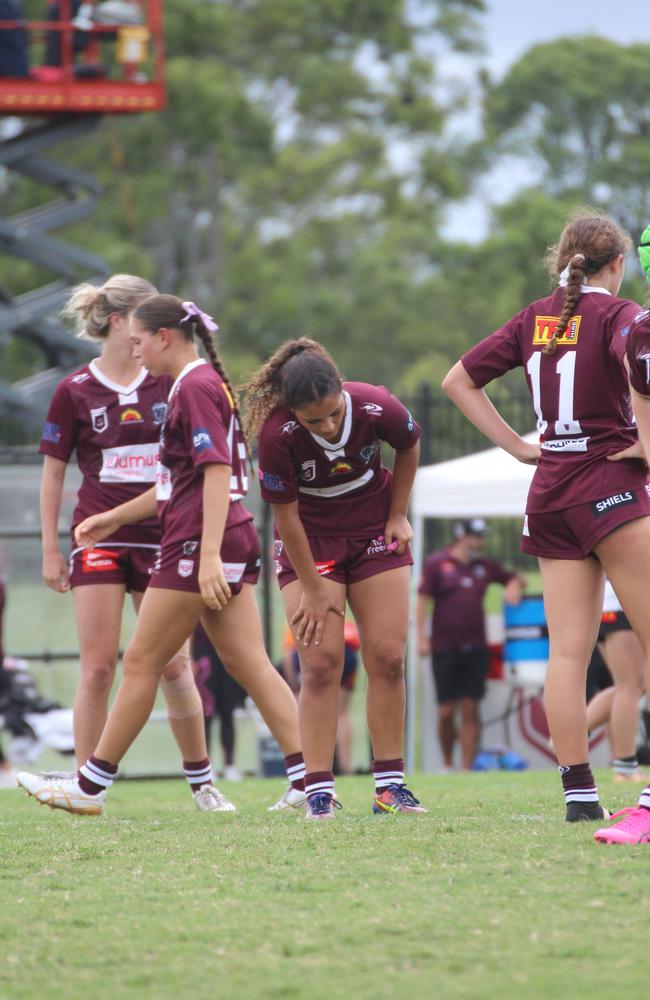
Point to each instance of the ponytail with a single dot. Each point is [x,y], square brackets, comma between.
[300,372]
[575,276]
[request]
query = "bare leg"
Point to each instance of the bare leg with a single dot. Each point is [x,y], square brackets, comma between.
[322,668]
[573,600]
[189,731]
[344,732]
[625,555]
[624,658]
[469,730]
[380,608]
[98,611]
[599,709]
[166,619]
[447,731]
[236,633]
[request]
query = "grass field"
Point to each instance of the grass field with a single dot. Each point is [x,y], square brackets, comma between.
[491,895]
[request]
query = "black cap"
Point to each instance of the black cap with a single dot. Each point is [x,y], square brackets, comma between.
[473,526]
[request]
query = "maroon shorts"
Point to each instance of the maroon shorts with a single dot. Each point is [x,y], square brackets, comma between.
[178,564]
[572,533]
[346,560]
[130,564]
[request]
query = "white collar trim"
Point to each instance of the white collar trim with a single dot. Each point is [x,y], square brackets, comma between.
[347,427]
[125,390]
[594,288]
[188,368]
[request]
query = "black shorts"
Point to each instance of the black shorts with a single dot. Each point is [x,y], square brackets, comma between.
[460,673]
[613,621]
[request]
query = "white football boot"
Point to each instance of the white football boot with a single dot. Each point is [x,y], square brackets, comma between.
[293,798]
[210,799]
[61,793]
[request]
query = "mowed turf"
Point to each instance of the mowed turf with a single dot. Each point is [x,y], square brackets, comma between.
[489,895]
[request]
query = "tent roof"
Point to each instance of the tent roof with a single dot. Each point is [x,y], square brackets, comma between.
[489,483]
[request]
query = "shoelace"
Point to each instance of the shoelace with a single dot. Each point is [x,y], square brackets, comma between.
[210,792]
[404,795]
[321,803]
[635,817]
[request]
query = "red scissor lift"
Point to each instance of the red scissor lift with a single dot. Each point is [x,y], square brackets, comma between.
[102,67]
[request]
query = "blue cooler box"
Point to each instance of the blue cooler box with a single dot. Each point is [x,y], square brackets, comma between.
[525,652]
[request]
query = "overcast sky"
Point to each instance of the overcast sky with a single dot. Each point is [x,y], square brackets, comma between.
[512,26]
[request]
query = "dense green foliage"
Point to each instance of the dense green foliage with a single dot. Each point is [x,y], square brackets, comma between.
[298,181]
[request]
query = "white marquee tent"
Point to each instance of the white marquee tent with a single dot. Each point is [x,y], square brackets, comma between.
[488,483]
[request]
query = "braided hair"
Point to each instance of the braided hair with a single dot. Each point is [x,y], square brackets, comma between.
[300,372]
[169,311]
[589,242]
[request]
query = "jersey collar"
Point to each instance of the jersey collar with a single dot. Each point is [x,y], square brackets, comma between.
[594,288]
[188,368]
[347,427]
[125,390]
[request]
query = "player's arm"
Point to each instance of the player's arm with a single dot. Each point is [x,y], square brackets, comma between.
[641,407]
[55,567]
[477,407]
[513,590]
[316,601]
[216,501]
[99,526]
[397,527]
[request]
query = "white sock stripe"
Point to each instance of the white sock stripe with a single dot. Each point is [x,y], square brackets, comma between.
[99,771]
[297,771]
[577,795]
[190,772]
[625,765]
[97,776]
[319,788]
[644,797]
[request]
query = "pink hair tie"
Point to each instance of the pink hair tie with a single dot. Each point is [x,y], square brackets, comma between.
[192,311]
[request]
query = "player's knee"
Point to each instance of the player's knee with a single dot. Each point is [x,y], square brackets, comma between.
[390,664]
[321,671]
[176,667]
[98,675]
[181,694]
[446,711]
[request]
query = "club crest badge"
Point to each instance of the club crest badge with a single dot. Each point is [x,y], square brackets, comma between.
[158,412]
[308,471]
[99,418]
[185,567]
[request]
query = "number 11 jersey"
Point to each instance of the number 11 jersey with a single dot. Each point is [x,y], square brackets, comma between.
[580,394]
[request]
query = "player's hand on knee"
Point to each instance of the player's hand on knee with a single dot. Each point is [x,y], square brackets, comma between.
[311,614]
[215,590]
[94,529]
[397,534]
[55,572]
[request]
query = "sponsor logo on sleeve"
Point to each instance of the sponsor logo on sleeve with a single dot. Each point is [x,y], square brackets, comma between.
[410,422]
[271,482]
[78,379]
[289,427]
[185,567]
[158,412]
[99,418]
[189,548]
[545,327]
[130,416]
[98,560]
[604,506]
[308,471]
[372,409]
[51,432]
[163,482]
[201,439]
[368,453]
[340,468]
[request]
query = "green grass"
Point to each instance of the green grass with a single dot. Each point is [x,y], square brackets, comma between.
[491,895]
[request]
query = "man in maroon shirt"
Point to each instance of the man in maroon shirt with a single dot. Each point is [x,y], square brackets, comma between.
[457,578]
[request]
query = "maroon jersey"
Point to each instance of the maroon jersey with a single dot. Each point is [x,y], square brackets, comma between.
[200,428]
[458,589]
[341,487]
[580,394]
[638,352]
[115,430]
